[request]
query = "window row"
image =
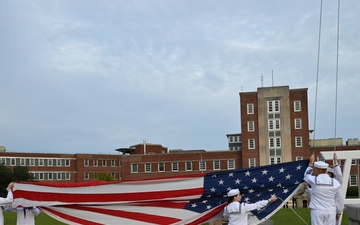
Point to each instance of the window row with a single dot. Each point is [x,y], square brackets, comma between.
[234,139]
[273,106]
[175,166]
[275,142]
[100,162]
[12,161]
[51,175]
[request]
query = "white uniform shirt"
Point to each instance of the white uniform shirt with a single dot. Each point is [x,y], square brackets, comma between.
[3,202]
[326,193]
[24,216]
[237,213]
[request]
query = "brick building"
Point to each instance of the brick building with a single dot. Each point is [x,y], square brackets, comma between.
[274,125]
[134,163]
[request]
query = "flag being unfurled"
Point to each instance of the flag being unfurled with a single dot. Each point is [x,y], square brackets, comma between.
[192,199]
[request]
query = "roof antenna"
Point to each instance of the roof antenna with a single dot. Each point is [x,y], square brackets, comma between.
[262,80]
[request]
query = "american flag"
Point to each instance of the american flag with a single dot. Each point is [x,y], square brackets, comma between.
[192,199]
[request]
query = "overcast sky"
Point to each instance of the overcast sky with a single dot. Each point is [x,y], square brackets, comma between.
[91,76]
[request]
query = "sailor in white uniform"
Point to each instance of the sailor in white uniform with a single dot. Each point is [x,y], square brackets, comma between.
[24,215]
[326,195]
[5,201]
[236,212]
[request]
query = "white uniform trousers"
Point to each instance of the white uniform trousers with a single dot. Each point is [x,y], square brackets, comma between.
[323,217]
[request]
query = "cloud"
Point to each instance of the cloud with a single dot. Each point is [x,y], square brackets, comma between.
[93,76]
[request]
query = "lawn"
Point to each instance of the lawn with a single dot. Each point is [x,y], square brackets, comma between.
[283,216]
[42,218]
[300,216]
[288,216]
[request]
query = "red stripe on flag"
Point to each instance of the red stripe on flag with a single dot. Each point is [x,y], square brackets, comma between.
[100,182]
[71,218]
[166,204]
[109,197]
[137,216]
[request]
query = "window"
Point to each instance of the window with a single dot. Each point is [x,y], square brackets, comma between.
[58,176]
[353,180]
[202,165]
[95,162]
[250,125]
[353,162]
[277,124]
[104,162]
[298,158]
[147,167]
[113,162]
[67,162]
[252,162]
[251,143]
[41,162]
[274,124]
[50,176]
[275,142]
[13,162]
[271,124]
[113,175]
[278,142]
[86,162]
[271,143]
[22,162]
[175,166]
[86,176]
[274,106]
[188,166]
[250,108]
[216,165]
[50,162]
[161,167]
[277,106]
[275,160]
[234,139]
[67,176]
[297,106]
[298,123]
[32,162]
[231,164]
[298,142]
[134,168]
[58,162]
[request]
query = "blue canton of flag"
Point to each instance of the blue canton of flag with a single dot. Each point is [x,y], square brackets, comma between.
[255,184]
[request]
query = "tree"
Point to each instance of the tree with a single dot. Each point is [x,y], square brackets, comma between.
[103,176]
[6,178]
[21,173]
[18,173]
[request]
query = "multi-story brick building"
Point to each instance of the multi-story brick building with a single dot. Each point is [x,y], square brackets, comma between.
[274,125]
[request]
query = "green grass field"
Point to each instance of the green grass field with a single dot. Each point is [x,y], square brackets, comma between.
[41,219]
[283,216]
[301,216]
[288,216]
